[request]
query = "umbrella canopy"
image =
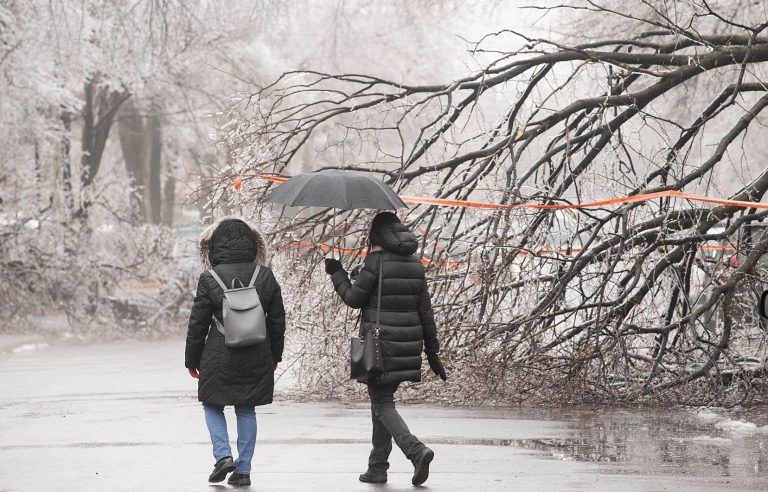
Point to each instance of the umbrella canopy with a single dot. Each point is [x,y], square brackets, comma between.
[335,189]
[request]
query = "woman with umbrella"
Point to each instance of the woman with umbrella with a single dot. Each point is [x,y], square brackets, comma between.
[392,292]
[401,309]
[406,325]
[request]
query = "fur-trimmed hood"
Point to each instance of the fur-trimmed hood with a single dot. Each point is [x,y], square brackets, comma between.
[231,240]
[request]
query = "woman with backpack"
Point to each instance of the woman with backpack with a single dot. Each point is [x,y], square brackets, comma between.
[238,376]
[406,326]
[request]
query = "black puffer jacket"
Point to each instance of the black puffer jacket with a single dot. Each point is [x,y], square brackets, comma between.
[407,322]
[234,376]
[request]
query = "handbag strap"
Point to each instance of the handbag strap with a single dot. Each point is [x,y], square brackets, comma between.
[359,323]
[360,331]
[378,300]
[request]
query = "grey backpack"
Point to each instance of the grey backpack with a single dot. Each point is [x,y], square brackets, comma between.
[243,319]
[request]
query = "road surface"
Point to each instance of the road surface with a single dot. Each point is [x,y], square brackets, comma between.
[124,416]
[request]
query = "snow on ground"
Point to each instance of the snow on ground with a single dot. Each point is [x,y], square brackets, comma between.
[714,441]
[728,424]
[29,347]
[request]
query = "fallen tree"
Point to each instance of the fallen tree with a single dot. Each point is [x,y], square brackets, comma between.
[616,303]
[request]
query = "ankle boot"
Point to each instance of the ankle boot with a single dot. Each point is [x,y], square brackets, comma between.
[421,466]
[374,476]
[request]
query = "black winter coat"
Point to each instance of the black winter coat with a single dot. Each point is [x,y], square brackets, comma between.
[407,321]
[234,376]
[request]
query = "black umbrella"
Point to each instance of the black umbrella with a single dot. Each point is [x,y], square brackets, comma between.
[335,189]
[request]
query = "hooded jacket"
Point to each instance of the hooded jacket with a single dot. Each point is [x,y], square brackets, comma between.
[406,320]
[233,376]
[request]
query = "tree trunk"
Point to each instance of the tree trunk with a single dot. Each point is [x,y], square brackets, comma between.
[169,198]
[130,128]
[66,160]
[101,106]
[141,140]
[155,163]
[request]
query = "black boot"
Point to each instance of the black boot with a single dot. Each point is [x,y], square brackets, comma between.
[238,479]
[374,476]
[421,466]
[221,468]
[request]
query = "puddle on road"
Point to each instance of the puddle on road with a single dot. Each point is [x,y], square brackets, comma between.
[652,441]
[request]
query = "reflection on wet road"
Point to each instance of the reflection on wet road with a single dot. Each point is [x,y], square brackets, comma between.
[665,441]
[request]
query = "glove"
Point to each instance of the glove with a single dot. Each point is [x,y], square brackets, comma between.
[436,366]
[332,266]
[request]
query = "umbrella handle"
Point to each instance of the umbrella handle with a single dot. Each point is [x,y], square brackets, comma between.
[335,239]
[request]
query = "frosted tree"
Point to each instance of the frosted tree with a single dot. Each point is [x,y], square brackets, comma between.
[77,79]
[620,302]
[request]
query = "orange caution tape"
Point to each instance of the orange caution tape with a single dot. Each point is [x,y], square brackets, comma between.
[148,285]
[454,265]
[326,248]
[718,247]
[238,179]
[272,177]
[445,202]
[237,183]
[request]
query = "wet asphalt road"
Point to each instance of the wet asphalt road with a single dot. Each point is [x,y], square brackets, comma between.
[124,416]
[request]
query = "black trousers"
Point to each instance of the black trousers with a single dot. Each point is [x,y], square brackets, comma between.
[388,424]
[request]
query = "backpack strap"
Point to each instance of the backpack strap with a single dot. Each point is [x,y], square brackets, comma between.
[218,280]
[253,278]
[224,288]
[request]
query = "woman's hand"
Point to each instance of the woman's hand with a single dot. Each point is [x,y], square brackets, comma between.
[437,366]
[193,373]
[274,367]
[332,266]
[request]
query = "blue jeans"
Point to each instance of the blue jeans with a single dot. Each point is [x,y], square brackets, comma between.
[246,434]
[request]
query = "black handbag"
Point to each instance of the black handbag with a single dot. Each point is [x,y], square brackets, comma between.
[365,349]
